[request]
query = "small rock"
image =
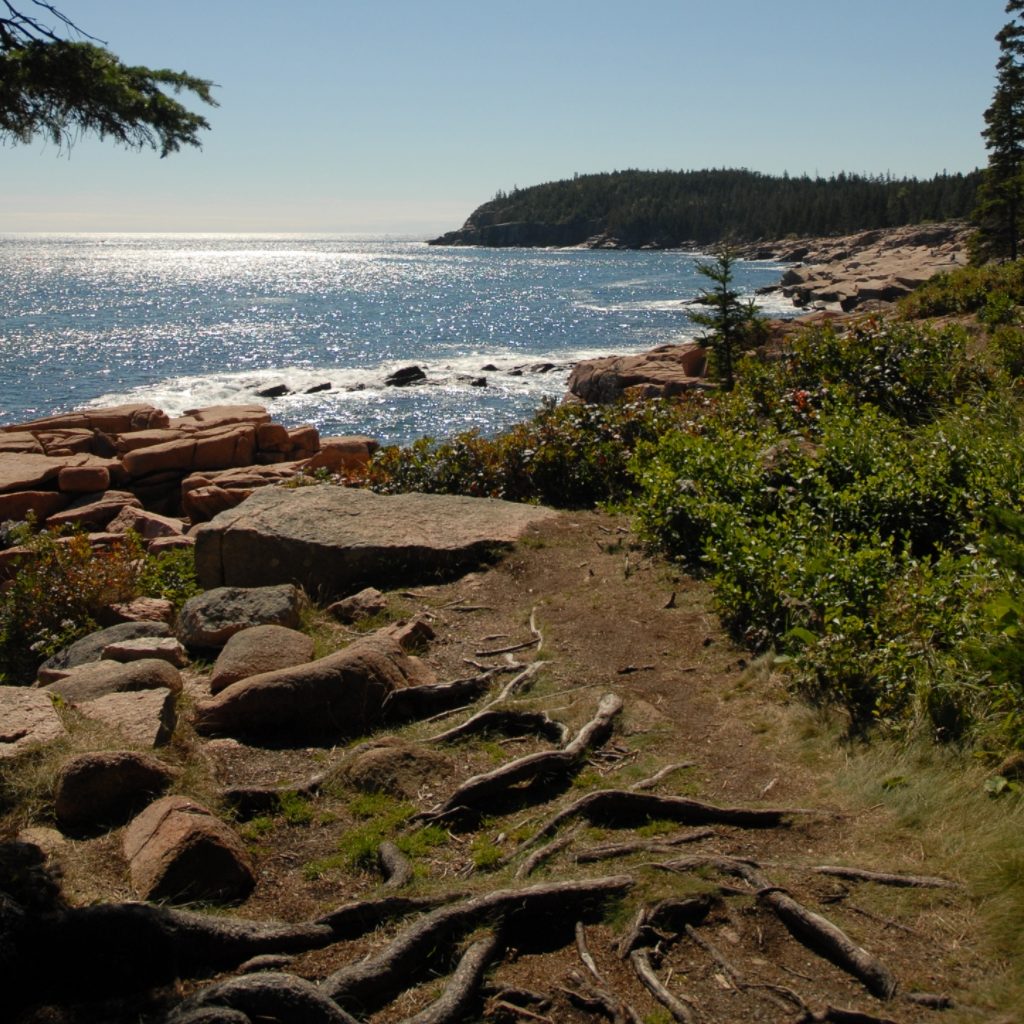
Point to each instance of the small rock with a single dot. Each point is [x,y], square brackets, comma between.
[259,649]
[274,391]
[395,767]
[90,648]
[178,850]
[366,603]
[210,619]
[106,788]
[101,678]
[27,720]
[317,388]
[405,376]
[143,717]
[140,609]
[164,648]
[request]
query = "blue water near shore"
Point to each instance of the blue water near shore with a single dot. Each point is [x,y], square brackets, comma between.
[183,321]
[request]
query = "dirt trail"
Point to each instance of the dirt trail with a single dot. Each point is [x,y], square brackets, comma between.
[610,620]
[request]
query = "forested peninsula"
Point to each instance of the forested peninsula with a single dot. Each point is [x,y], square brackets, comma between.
[686,209]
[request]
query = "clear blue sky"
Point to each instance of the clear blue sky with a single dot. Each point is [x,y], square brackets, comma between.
[404,115]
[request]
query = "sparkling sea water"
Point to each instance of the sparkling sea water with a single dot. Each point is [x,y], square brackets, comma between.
[188,320]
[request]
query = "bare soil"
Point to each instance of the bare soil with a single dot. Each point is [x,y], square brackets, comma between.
[610,619]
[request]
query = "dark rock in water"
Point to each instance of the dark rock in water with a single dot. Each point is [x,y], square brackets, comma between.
[316,388]
[517,372]
[478,382]
[542,367]
[274,391]
[405,376]
[489,368]
[357,387]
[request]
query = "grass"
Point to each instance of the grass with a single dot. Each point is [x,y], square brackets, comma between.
[938,809]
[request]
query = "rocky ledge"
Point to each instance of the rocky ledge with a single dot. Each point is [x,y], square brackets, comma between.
[135,468]
[871,267]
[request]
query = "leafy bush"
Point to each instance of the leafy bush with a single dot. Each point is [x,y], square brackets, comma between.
[967,290]
[54,597]
[569,456]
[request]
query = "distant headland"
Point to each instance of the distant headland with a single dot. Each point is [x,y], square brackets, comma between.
[693,209]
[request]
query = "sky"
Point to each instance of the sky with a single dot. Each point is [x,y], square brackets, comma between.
[402,116]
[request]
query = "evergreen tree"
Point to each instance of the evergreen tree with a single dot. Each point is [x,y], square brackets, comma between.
[60,88]
[731,325]
[1001,196]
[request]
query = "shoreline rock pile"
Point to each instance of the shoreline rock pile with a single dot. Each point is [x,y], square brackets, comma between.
[134,467]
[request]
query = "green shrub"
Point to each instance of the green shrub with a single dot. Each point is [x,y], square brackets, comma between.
[967,290]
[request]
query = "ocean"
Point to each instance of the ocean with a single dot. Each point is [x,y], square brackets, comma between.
[189,320]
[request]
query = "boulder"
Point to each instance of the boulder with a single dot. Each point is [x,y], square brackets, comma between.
[148,525]
[333,540]
[343,454]
[367,602]
[83,479]
[112,420]
[139,609]
[143,717]
[22,443]
[95,513]
[30,472]
[144,439]
[90,648]
[177,850]
[210,619]
[221,415]
[272,437]
[257,650]
[340,695]
[396,767]
[42,504]
[163,648]
[99,678]
[106,788]
[201,504]
[159,544]
[666,370]
[27,720]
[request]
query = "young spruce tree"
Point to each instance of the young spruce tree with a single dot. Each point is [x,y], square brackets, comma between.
[730,325]
[1000,208]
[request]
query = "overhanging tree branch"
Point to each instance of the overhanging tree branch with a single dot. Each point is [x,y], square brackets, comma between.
[62,89]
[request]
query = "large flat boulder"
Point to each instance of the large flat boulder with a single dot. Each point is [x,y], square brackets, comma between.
[90,648]
[100,678]
[334,540]
[211,619]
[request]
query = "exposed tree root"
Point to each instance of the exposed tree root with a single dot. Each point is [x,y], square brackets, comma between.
[261,997]
[249,801]
[394,865]
[376,980]
[507,721]
[536,640]
[417,702]
[596,999]
[816,932]
[542,854]
[624,807]
[883,878]
[673,915]
[484,788]
[659,776]
[355,919]
[664,844]
[464,985]
[641,962]
[836,1015]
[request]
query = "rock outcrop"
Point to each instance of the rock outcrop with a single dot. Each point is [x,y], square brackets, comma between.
[876,267]
[333,541]
[145,718]
[86,467]
[90,648]
[659,373]
[100,678]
